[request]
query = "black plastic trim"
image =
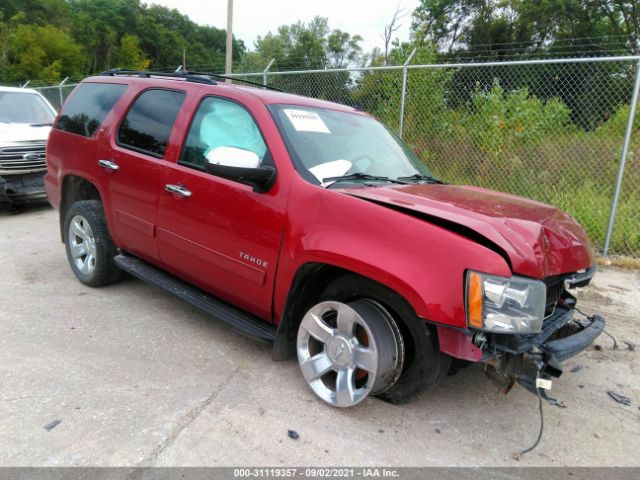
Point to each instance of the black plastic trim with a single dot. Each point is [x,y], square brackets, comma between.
[240,320]
[189,77]
[581,279]
[570,346]
[521,343]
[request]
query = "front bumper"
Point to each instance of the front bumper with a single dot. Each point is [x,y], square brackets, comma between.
[524,358]
[20,189]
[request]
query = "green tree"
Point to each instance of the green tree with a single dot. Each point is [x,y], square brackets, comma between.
[484,30]
[163,35]
[307,46]
[55,12]
[130,55]
[425,112]
[40,52]
[303,46]
[343,49]
[98,24]
[491,28]
[446,23]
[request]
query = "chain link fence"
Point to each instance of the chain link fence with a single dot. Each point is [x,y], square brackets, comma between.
[56,94]
[551,130]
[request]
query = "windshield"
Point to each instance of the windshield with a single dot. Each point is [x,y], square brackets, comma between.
[19,107]
[327,143]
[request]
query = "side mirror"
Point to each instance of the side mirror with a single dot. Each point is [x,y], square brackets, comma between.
[241,166]
[233,157]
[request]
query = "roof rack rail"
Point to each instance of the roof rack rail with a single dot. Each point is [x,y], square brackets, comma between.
[187,76]
[235,79]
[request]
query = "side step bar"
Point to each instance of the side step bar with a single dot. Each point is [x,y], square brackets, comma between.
[244,322]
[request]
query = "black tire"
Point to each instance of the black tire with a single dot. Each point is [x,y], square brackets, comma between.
[424,365]
[105,271]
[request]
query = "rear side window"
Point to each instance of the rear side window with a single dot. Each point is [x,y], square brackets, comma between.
[148,125]
[88,107]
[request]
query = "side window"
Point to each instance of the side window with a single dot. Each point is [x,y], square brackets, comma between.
[149,122]
[221,123]
[88,107]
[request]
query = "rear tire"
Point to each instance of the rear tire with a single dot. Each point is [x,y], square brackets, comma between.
[423,364]
[90,249]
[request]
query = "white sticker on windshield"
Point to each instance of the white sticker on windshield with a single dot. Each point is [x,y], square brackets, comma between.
[305,121]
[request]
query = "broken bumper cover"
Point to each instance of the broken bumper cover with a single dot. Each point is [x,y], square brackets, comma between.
[567,347]
[526,357]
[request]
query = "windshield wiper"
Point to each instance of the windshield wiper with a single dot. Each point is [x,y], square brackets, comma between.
[420,177]
[40,124]
[359,176]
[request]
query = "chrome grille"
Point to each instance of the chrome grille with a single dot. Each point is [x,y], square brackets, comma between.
[23,158]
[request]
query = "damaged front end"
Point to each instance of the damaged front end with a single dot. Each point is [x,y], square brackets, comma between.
[532,357]
[527,358]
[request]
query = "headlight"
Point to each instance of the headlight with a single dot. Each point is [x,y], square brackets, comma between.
[505,305]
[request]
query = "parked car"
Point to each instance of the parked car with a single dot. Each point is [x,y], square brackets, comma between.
[25,121]
[311,225]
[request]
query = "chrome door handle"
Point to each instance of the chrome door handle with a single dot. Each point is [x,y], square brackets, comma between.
[177,190]
[109,165]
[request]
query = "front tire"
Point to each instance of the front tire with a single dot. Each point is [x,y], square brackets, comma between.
[423,364]
[347,351]
[90,249]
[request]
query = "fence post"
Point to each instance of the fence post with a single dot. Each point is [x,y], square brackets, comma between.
[264,72]
[404,91]
[623,160]
[60,90]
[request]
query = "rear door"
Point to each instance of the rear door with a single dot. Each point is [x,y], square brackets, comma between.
[133,166]
[77,132]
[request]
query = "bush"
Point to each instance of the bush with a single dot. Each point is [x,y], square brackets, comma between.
[500,121]
[514,142]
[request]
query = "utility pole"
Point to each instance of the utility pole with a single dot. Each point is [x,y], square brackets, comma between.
[227,66]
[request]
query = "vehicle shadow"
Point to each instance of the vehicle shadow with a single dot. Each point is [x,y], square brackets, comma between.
[7,210]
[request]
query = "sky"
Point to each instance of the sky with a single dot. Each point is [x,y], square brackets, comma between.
[257,17]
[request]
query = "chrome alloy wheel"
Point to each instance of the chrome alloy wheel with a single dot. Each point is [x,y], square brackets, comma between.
[348,351]
[82,245]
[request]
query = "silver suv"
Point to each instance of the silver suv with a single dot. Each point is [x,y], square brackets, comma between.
[25,121]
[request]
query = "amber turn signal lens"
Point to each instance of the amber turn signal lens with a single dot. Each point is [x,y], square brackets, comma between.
[474,300]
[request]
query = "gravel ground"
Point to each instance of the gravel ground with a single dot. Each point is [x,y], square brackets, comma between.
[139,378]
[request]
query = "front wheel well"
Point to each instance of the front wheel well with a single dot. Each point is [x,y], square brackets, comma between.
[310,280]
[74,189]
[308,285]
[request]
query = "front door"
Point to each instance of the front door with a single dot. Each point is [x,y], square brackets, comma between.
[217,233]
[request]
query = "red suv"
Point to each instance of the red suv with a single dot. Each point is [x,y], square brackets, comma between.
[311,225]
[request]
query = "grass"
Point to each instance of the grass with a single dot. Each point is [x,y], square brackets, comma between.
[575,172]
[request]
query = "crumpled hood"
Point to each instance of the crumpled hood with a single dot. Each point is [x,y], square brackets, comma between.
[22,132]
[539,240]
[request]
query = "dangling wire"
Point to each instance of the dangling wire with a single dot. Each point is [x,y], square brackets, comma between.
[615,344]
[527,450]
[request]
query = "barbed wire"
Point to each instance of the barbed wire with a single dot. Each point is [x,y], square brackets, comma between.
[557,40]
